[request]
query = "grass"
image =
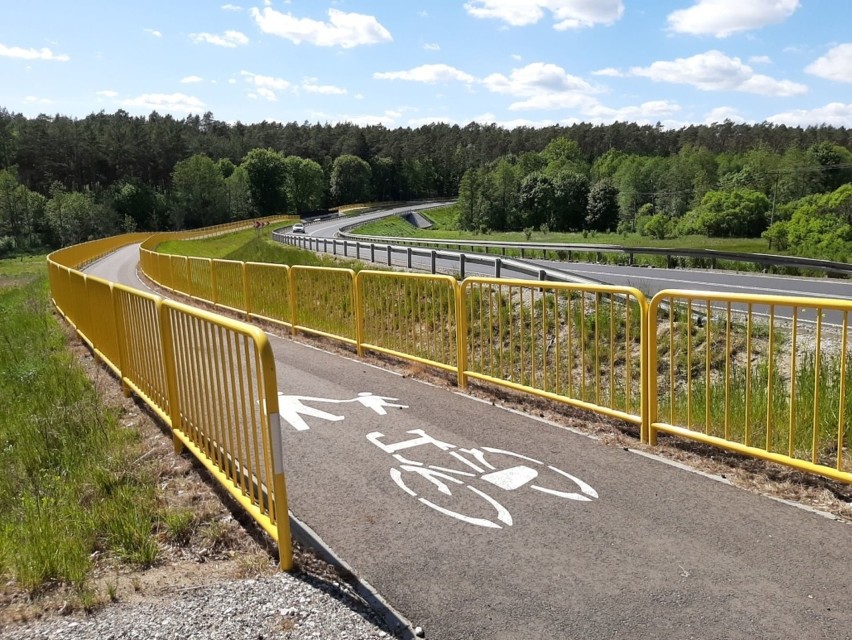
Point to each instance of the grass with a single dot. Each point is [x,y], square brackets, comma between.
[445,219]
[68,487]
[251,246]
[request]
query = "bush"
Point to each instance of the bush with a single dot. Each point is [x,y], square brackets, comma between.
[7,246]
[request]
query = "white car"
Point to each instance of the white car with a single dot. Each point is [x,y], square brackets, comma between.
[298,228]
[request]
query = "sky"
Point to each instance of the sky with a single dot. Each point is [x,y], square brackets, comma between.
[406,63]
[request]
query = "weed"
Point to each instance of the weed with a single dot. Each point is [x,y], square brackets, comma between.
[179,526]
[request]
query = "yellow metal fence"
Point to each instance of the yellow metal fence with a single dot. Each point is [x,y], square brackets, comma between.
[211,379]
[760,375]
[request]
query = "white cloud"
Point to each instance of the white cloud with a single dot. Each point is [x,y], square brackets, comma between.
[153,32]
[835,65]
[432,46]
[343,29]
[36,100]
[311,86]
[714,71]
[836,114]
[107,93]
[490,118]
[516,56]
[645,113]
[32,54]
[722,18]
[191,79]
[231,7]
[265,86]
[608,71]
[536,78]
[428,73]
[168,102]
[720,114]
[387,119]
[421,122]
[544,85]
[760,60]
[567,14]
[228,39]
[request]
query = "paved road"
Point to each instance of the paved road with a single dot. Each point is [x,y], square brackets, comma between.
[626,547]
[649,280]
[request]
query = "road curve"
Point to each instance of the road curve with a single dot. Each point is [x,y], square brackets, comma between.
[626,547]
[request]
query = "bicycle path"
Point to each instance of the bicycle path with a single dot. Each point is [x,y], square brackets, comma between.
[627,547]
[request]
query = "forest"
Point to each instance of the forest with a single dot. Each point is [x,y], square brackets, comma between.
[65,180]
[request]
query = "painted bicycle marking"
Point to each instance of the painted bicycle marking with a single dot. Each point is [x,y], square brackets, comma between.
[467,472]
[292,408]
[477,467]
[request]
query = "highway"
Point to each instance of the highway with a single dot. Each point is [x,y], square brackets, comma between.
[646,279]
[478,522]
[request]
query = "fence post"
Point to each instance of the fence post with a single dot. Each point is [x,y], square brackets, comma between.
[498,267]
[167,349]
[246,301]
[359,314]
[408,255]
[542,275]
[372,252]
[389,255]
[213,295]
[434,255]
[346,248]
[357,250]
[291,277]
[462,261]
[461,333]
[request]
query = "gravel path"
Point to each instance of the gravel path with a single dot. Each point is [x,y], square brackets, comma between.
[281,606]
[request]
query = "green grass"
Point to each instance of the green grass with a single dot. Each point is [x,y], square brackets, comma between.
[18,271]
[251,246]
[69,486]
[445,219]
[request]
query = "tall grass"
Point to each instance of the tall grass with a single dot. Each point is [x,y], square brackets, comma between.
[68,487]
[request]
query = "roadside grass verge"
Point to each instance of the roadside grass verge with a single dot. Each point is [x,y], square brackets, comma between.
[69,487]
[446,227]
[249,246]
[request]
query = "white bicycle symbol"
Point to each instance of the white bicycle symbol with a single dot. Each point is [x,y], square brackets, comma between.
[477,467]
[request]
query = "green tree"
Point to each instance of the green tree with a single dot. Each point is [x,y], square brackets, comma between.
[350,180]
[267,175]
[75,217]
[570,200]
[305,183]
[535,200]
[199,193]
[240,206]
[728,214]
[470,200]
[602,208]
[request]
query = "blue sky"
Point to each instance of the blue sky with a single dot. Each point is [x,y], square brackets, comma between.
[411,62]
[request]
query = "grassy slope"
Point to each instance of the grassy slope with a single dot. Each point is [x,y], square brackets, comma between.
[68,486]
[444,218]
[249,246]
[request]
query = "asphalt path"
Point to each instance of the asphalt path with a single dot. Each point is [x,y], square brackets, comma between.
[477,522]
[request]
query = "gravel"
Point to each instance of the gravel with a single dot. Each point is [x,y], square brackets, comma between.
[281,606]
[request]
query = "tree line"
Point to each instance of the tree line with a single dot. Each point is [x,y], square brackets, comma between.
[64,179]
[799,199]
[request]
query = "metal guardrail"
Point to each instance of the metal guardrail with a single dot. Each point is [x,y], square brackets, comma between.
[712,256]
[404,257]
[602,348]
[211,379]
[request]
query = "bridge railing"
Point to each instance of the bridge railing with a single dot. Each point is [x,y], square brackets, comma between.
[705,366]
[755,374]
[210,378]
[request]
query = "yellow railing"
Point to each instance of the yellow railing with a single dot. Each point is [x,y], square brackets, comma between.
[578,344]
[211,379]
[602,348]
[756,374]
